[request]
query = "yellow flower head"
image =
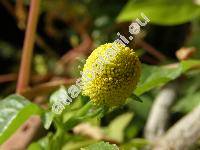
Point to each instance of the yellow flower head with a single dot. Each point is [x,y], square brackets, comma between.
[110,74]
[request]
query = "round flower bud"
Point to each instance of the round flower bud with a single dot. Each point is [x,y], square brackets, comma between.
[110,74]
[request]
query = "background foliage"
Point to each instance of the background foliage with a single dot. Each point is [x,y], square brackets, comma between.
[67,32]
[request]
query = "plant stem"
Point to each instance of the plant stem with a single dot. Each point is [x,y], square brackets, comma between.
[78,117]
[84,109]
[24,72]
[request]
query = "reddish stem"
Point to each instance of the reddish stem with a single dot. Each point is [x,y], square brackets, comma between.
[152,50]
[24,72]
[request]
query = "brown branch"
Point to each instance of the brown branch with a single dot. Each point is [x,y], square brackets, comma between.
[24,72]
[20,13]
[149,59]
[21,16]
[8,6]
[8,77]
[83,49]
[41,43]
[45,88]
[35,79]
[183,134]
[151,50]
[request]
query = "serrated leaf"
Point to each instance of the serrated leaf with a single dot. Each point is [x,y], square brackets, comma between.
[101,146]
[14,111]
[162,12]
[116,128]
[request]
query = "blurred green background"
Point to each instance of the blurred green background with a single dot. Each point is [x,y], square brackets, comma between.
[68,31]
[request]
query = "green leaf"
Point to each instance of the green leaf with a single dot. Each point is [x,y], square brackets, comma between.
[135,97]
[35,146]
[42,144]
[86,112]
[116,128]
[58,95]
[162,12]
[77,145]
[61,99]
[101,146]
[14,111]
[189,64]
[136,107]
[134,128]
[186,104]
[47,119]
[52,141]
[154,76]
[136,143]
[79,116]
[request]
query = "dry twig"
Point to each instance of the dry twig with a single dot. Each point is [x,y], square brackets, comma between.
[159,114]
[183,134]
